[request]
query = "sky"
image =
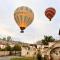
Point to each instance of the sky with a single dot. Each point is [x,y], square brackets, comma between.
[40,26]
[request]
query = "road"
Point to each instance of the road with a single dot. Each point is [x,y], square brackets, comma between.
[8,57]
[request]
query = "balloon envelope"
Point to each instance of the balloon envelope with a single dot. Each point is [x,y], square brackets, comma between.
[59,31]
[50,12]
[23,17]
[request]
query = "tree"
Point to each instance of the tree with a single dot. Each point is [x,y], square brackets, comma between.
[0,48]
[8,48]
[0,38]
[47,39]
[39,56]
[17,48]
[4,38]
[9,38]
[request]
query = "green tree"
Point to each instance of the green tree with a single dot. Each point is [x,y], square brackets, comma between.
[9,38]
[4,38]
[47,39]
[0,48]
[39,56]
[8,48]
[17,48]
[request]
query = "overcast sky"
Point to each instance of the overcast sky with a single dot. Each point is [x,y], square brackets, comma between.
[40,26]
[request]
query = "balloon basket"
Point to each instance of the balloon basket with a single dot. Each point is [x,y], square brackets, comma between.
[50,19]
[21,31]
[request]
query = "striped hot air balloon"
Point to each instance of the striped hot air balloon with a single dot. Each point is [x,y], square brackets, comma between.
[50,12]
[23,17]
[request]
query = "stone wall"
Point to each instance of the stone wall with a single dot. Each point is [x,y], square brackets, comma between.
[4,53]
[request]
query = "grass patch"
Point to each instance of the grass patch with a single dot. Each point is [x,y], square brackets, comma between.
[24,58]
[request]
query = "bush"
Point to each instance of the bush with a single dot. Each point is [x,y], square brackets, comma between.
[39,57]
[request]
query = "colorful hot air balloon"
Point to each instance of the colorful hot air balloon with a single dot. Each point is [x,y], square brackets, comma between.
[23,17]
[50,12]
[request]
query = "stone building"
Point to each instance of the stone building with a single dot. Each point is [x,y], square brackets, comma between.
[52,50]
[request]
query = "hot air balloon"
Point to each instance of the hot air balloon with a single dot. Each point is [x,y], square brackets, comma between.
[23,17]
[50,13]
[59,31]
